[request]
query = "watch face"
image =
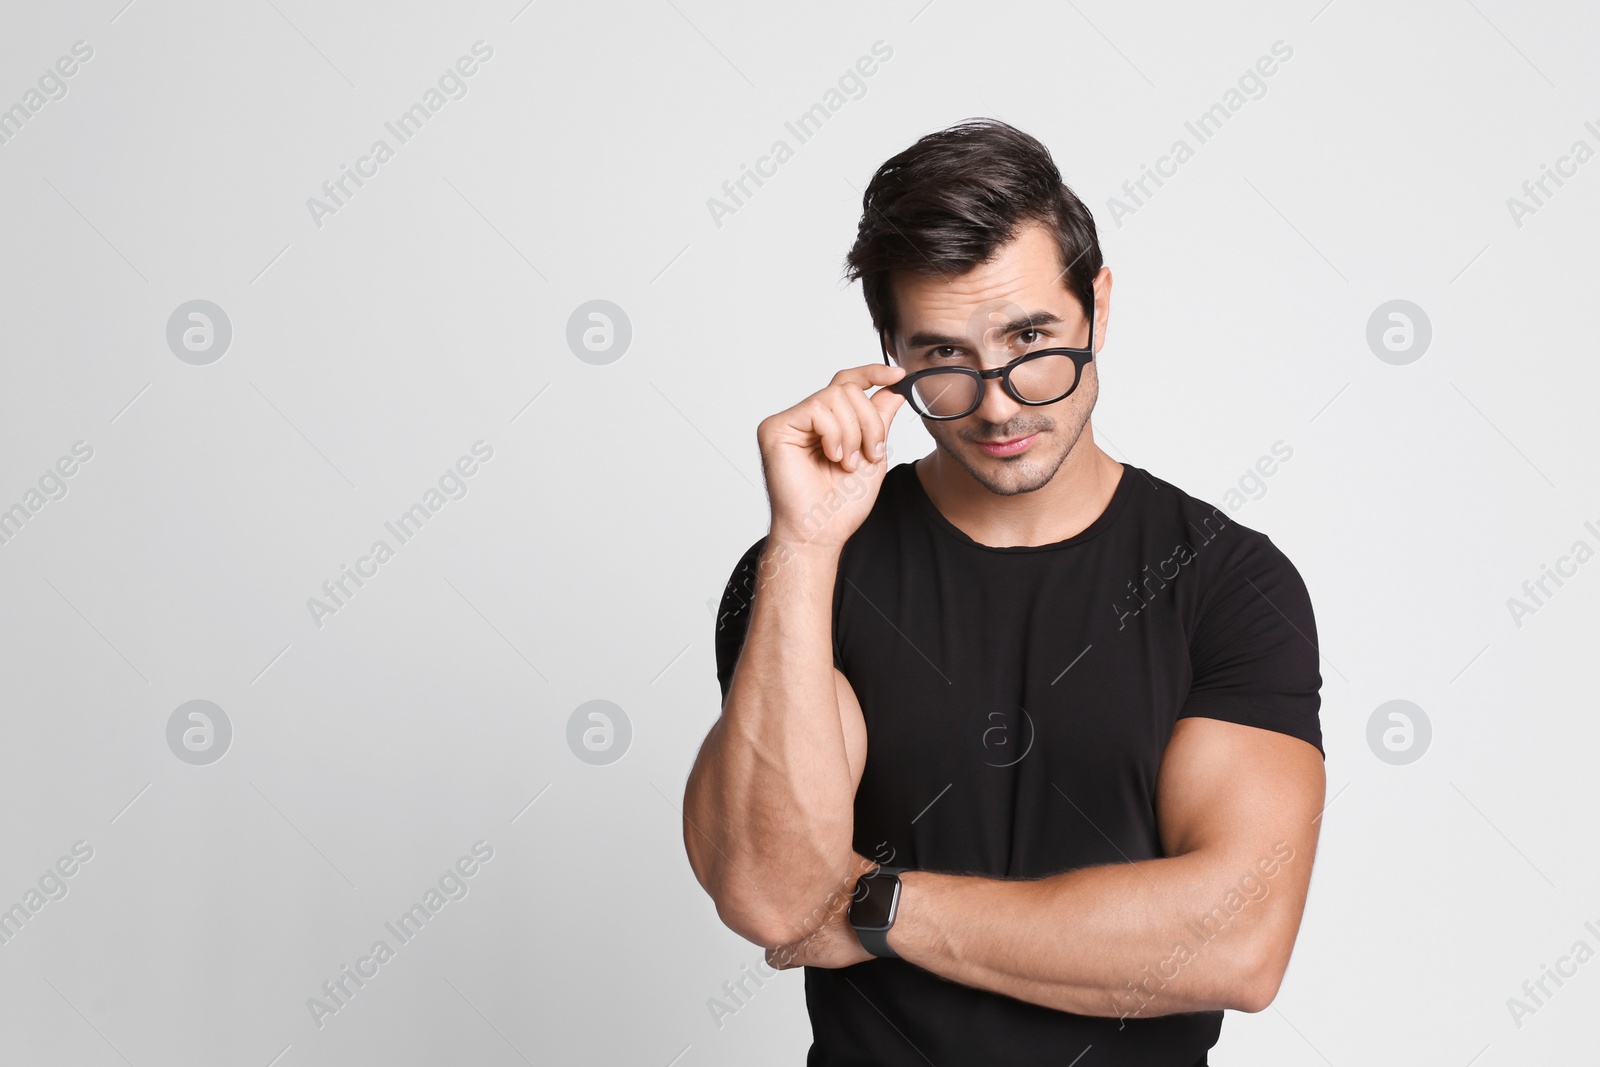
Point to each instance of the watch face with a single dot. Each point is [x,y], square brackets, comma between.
[875,901]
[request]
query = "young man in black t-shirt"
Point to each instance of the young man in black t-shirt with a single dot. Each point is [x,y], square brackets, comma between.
[1074,707]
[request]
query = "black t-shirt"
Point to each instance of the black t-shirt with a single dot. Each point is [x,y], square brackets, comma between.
[1018,701]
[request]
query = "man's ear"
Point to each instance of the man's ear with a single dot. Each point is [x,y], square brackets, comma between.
[1102,307]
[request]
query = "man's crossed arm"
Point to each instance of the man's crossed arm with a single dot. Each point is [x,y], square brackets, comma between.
[1208,926]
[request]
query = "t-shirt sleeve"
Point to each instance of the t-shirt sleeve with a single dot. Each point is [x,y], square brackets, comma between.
[733,616]
[1254,647]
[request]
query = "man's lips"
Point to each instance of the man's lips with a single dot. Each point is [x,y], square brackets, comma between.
[1008,447]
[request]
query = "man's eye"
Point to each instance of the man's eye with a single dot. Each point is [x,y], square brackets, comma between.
[943,351]
[1029,336]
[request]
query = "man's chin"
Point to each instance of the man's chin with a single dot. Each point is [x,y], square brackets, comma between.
[1007,477]
[1015,487]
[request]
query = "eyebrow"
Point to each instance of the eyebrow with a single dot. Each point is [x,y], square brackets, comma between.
[926,339]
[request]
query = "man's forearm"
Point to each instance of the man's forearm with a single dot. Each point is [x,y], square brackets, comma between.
[1137,939]
[770,804]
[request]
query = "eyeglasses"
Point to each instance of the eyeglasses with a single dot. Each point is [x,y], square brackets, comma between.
[1037,378]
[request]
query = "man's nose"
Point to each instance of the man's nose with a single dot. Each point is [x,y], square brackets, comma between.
[997,406]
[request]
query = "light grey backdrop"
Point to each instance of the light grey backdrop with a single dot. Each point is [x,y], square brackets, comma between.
[367,746]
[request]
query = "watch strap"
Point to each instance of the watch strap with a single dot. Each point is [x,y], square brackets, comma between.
[877,943]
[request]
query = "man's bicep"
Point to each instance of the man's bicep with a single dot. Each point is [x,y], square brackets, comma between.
[854,725]
[1237,789]
[1245,801]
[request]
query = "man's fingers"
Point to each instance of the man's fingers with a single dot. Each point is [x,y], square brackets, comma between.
[850,427]
[873,431]
[868,374]
[871,412]
[828,430]
[840,404]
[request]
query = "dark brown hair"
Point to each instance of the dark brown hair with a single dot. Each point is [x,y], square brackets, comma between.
[947,204]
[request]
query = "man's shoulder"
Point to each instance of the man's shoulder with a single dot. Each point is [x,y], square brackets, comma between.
[1221,545]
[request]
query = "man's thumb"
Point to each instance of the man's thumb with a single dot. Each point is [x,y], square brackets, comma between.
[888,404]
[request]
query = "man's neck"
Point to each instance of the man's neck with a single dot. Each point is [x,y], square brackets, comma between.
[1077,495]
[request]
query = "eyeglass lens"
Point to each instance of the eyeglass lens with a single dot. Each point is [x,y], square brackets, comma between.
[952,392]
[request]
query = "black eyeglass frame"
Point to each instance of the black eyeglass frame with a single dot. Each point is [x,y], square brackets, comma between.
[1081,357]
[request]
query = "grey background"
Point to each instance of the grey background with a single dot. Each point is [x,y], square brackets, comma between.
[431,312]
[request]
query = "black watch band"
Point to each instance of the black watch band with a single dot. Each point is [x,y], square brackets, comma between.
[875,936]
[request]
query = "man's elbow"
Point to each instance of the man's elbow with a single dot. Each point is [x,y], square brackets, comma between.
[741,906]
[759,926]
[1256,982]
[770,920]
[741,910]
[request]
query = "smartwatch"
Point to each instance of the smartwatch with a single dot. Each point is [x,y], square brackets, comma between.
[873,908]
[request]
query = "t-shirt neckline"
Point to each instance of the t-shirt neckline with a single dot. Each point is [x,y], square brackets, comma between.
[1119,497]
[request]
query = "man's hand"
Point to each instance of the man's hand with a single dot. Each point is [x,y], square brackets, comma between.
[833,944]
[821,457]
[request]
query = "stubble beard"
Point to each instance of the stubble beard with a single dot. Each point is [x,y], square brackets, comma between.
[1028,472]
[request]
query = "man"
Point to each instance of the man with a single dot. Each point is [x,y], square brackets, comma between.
[1074,707]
